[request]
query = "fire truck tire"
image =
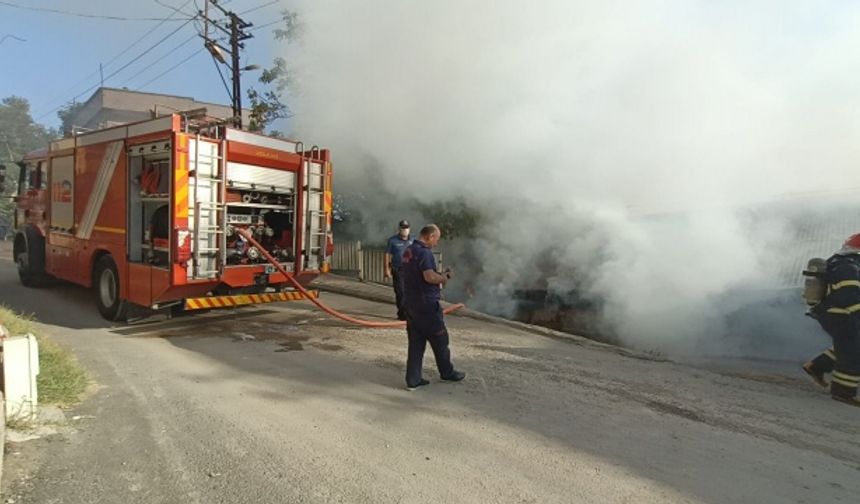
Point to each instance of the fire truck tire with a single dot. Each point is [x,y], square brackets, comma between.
[106,289]
[29,252]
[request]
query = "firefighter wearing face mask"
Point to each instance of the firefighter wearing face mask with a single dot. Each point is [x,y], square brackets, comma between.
[837,309]
[393,254]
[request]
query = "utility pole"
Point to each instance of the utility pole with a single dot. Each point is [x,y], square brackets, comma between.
[237,81]
[236,32]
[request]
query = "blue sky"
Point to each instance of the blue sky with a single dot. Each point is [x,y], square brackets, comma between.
[60,57]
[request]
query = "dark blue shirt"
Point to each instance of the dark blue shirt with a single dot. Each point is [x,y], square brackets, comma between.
[417,259]
[396,247]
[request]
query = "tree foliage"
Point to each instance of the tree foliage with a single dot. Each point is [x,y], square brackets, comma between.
[19,134]
[66,115]
[265,103]
[455,218]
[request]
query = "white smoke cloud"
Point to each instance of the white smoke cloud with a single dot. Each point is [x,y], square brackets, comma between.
[567,121]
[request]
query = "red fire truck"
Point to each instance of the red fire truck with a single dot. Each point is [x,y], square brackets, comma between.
[147,214]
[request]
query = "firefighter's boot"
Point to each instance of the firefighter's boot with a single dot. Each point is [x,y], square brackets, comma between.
[819,366]
[844,388]
[816,376]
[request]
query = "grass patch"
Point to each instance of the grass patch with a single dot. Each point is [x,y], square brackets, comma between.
[61,380]
[16,323]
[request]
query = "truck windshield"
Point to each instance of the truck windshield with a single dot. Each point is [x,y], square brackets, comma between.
[29,176]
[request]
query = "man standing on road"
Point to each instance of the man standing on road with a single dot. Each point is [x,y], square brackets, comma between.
[424,319]
[839,315]
[393,254]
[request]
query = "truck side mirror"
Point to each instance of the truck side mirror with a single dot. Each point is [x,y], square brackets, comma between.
[2,178]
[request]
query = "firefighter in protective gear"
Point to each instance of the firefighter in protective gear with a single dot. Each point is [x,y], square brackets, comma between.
[839,315]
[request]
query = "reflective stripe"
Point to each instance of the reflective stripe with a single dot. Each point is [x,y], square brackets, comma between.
[829,353]
[845,311]
[244,299]
[844,383]
[846,377]
[845,283]
[106,229]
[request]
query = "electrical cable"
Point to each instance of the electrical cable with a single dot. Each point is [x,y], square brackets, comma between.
[170,52]
[334,313]
[81,14]
[223,80]
[13,37]
[273,2]
[162,74]
[119,55]
[281,20]
[144,53]
[175,9]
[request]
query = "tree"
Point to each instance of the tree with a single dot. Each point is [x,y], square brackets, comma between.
[266,105]
[66,115]
[19,134]
[455,218]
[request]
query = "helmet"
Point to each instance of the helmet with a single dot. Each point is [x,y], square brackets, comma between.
[851,245]
[403,224]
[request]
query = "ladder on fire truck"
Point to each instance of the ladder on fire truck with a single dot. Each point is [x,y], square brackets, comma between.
[207,178]
[317,219]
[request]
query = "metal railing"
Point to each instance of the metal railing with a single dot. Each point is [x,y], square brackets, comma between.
[367,264]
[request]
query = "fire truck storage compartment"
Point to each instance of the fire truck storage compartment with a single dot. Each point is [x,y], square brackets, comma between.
[149,170]
[262,201]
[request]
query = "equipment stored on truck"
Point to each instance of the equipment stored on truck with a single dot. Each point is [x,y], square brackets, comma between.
[149,214]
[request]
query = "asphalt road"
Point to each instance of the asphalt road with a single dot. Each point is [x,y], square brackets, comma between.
[280,404]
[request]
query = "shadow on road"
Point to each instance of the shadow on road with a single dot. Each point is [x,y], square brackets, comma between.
[61,304]
[638,419]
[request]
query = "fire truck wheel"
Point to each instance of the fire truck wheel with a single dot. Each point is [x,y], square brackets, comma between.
[24,273]
[106,287]
[30,259]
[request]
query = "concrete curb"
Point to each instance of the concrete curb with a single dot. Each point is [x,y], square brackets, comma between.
[382,294]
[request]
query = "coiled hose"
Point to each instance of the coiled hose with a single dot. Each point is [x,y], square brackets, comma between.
[334,313]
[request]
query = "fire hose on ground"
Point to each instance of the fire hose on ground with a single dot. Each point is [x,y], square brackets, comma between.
[334,313]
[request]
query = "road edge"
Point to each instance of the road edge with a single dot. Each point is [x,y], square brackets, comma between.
[365,290]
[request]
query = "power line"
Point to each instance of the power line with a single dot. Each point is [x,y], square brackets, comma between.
[144,53]
[80,14]
[176,10]
[119,55]
[223,80]
[257,28]
[176,48]
[13,37]
[273,2]
[162,74]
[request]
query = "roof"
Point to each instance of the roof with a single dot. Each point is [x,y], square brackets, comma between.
[112,106]
[100,92]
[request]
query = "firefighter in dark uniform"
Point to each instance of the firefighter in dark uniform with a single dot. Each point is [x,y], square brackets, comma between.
[424,318]
[839,315]
[393,253]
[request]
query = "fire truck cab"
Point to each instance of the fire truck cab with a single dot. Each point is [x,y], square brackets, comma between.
[147,214]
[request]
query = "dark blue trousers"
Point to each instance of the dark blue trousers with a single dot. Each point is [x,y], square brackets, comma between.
[845,332]
[426,323]
[397,280]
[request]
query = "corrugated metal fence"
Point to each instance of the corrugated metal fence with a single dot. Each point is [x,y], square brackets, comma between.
[346,256]
[367,264]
